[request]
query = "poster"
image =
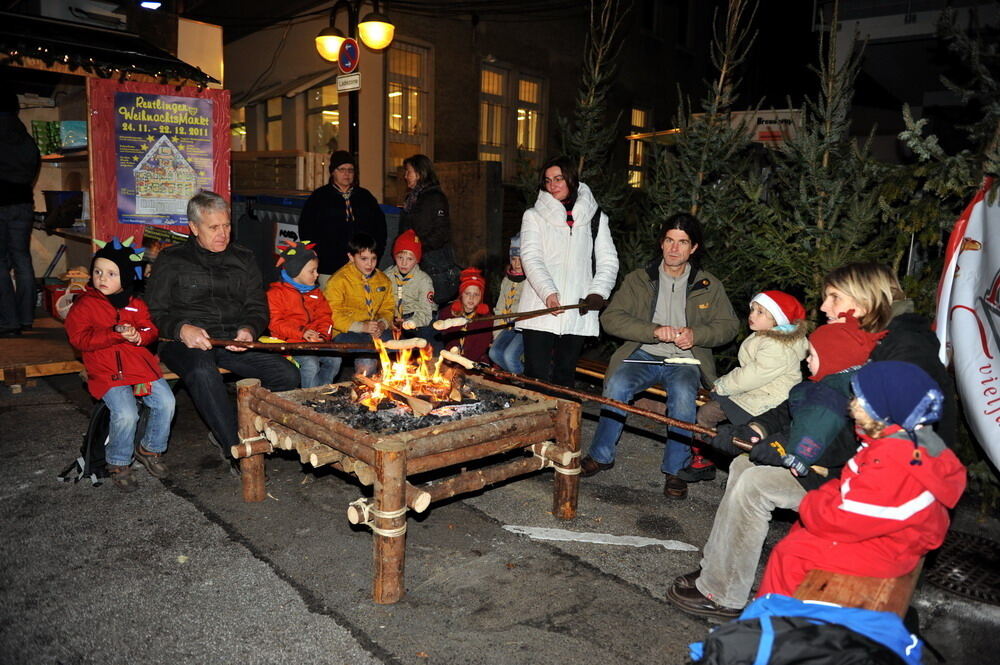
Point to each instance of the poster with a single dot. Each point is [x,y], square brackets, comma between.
[124,131]
[164,155]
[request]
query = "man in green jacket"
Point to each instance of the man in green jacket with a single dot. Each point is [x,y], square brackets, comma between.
[674,313]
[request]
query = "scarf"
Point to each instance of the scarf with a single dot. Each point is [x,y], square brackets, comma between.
[411,197]
[348,211]
[301,288]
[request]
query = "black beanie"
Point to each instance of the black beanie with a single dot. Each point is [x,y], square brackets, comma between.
[339,158]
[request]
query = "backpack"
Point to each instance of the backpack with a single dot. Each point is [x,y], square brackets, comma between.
[91,463]
[777,630]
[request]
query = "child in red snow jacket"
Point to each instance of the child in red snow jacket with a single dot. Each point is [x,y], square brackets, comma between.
[474,337]
[300,312]
[112,327]
[890,505]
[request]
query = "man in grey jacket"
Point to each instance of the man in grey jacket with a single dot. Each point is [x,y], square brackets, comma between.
[671,312]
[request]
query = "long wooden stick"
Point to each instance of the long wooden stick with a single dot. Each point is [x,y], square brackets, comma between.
[444,324]
[691,427]
[287,347]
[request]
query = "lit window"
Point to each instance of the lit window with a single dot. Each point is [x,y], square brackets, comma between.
[238,129]
[406,111]
[322,119]
[510,119]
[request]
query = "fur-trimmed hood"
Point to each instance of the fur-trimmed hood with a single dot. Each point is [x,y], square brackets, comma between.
[800,330]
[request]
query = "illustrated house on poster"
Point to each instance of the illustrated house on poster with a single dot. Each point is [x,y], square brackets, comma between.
[164,180]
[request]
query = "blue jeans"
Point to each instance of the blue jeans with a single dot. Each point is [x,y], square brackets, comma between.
[367,364]
[318,370]
[125,418]
[17,305]
[507,351]
[680,382]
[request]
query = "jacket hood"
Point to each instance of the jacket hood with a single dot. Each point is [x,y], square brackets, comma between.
[800,331]
[554,213]
[939,471]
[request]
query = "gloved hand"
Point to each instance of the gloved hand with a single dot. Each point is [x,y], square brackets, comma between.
[592,303]
[765,454]
[723,440]
[795,465]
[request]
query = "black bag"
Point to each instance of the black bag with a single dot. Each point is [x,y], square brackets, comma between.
[788,640]
[91,463]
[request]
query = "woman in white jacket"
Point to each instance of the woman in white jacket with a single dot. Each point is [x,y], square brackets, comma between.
[565,262]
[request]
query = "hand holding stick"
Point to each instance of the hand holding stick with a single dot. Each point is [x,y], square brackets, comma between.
[285,347]
[443,324]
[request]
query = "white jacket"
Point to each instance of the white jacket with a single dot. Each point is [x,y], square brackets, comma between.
[557,259]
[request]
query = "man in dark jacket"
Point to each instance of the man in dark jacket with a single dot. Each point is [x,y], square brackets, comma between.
[335,212]
[208,288]
[19,162]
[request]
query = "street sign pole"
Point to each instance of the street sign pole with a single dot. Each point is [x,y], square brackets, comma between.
[348,59]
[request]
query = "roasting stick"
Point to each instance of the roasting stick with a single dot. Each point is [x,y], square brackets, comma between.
[692,427]
[283,347]
[443,324]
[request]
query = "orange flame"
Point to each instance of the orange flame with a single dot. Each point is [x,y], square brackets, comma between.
[417,374]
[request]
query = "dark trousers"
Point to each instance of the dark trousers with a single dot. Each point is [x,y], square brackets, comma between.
[200,372]
[17,304]
[551,357]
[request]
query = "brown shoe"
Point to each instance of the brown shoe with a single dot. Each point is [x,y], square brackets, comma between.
[123,478]
[687,580]
[691,601]
[589,466]
[152,462]
[674,487]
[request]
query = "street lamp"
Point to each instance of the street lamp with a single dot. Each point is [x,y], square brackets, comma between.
[376,32]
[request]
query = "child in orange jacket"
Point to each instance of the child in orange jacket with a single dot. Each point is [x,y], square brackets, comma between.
[300,313]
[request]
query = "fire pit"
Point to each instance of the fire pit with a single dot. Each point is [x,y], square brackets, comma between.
[325,430]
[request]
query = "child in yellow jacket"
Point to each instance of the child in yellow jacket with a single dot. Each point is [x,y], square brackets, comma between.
[361,298]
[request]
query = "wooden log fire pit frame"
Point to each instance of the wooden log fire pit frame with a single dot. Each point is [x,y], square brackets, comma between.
[549,427]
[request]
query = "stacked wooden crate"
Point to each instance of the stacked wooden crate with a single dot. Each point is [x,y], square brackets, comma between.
[279,170]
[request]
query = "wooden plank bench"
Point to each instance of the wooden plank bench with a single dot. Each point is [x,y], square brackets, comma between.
[651,399]
[870,593]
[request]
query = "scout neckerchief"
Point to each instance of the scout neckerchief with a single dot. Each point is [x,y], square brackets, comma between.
[369,298]
[348,211]
[508,300]
[401,281]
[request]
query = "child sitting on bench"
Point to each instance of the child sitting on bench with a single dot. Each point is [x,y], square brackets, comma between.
[890,505]
[111,327]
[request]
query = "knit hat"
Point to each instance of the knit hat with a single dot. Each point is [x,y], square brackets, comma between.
[408,240]
[471,277]
[898,393]
[293,256]
[339,158]
[125,256]
[840,346]
[515,246]
[784,308]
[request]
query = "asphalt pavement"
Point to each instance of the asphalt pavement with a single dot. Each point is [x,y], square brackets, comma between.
[182,571]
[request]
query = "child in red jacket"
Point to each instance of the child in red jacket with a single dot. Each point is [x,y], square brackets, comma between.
[472,339]
[300,312]
[890,505]
[112,327]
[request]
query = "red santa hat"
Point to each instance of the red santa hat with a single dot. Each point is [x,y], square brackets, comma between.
[784,308]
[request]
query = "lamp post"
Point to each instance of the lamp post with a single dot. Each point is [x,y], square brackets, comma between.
[376,32]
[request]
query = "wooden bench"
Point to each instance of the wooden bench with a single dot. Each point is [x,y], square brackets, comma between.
[651,399]
[869,593]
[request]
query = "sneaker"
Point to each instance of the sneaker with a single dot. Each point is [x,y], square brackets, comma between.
[700,469]
[123,478]
[152,461]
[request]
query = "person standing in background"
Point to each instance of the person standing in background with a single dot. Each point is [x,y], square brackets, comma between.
[19,163]
[335,212]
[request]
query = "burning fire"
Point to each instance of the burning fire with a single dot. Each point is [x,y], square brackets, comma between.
[414,373]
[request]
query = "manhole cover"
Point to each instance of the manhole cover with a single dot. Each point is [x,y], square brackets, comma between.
[969,566]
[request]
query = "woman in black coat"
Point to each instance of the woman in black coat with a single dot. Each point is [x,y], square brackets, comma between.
[425,210]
